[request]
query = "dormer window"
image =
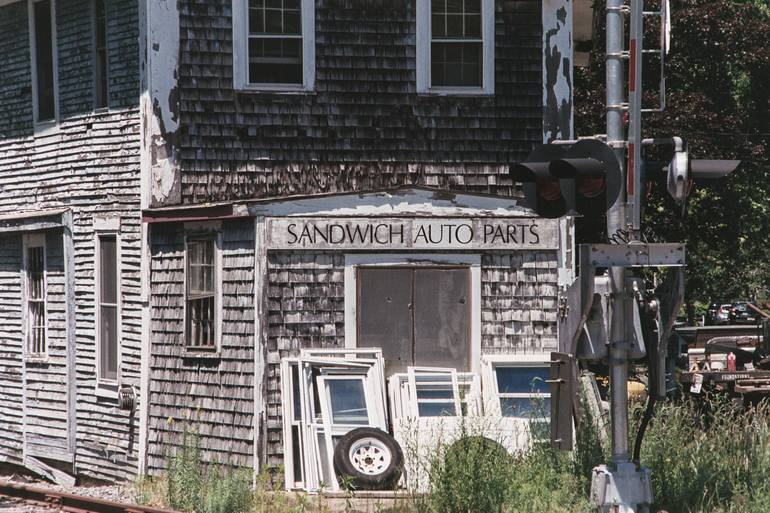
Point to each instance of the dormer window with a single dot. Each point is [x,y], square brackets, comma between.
[274,44]
[455,46]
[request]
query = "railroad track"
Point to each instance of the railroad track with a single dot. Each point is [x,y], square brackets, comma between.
[67,502]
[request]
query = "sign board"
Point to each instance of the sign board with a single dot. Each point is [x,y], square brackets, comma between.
[514,233]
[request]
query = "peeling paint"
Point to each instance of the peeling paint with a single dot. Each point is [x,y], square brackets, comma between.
[557,70]
[160,106]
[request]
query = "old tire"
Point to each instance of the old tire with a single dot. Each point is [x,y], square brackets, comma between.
[478,446]
[369,459]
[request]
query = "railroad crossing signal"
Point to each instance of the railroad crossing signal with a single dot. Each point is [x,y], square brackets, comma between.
[559,179]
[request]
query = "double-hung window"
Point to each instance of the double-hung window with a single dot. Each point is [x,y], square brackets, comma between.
[101,98]
[455,46]
[274,44]
[43,45]
[201,302]
[108,308]
[35,265]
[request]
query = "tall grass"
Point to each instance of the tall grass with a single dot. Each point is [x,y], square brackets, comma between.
[705,456]
[709,456]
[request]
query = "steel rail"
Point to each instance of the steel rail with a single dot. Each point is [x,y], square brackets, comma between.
[69,502]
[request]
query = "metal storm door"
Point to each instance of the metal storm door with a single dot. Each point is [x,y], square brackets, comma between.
[417,315]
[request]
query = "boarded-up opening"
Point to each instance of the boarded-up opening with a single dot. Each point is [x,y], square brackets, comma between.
[418,316]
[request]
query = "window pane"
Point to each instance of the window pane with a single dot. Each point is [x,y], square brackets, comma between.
[296,391]
[456,64]
[384,315]
[108,262]
[108,352]
[348,402]
[296,446]
[44,57]
[275,61]
[522,380]
[436,409]
[472,25]
[100,61]
[441,318]
[256,21]
[525,407]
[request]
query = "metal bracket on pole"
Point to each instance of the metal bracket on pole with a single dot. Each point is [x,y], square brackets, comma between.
[632,255]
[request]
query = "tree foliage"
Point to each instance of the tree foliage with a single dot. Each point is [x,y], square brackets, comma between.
[718,99]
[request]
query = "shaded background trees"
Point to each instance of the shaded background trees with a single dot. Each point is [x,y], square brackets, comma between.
[718,99]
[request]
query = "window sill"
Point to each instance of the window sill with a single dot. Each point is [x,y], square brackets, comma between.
[107,391]
[288,89]
[46,128]
[457,91]
[201,354]
[38,360]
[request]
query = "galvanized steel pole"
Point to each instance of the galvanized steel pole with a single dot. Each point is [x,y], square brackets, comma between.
[616,220]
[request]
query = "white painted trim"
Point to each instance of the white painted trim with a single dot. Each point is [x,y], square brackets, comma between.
[34,240]
[489,379]
[203,232]
[423,50]
[146,347]
[472,261]
[107,387]
[43,127]
[241,54]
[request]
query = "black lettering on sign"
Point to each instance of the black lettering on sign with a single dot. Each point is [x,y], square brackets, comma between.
[488,230]
[400,227]
[421,235]
[533,231]
[458,236]
[290,229]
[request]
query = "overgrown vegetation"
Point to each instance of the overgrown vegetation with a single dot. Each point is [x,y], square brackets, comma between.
[705,457]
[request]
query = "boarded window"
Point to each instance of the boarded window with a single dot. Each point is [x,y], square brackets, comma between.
[201,294]
[44,52]
[418,316]
[108,308]
[456,43]
[100,54]
[275,42]
[36,314]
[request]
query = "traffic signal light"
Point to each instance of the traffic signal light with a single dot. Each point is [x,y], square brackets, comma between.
[559,179]
[682,171]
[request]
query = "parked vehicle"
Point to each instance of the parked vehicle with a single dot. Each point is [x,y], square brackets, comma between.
[723,314]
[711,313]
[740,313]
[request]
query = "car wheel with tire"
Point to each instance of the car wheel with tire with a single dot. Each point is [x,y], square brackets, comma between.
[369,458]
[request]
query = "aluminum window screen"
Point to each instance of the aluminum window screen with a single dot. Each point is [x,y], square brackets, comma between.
[418,316]
[36,314]
[44,60]
[201,294]
[456,43]
[275,42]
[108,308]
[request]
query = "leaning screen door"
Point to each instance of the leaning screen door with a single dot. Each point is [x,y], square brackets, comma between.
[418,316]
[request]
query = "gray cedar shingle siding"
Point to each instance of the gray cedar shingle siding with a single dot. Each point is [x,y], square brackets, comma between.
[364,127]
[306,309]
[213,397]
[91,165]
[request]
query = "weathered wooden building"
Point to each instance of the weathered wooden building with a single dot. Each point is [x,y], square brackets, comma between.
[191,191]
[70,288]
[334,173]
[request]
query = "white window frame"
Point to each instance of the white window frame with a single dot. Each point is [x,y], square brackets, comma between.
[95,57]
[34,240]
[472,261]
[107,387]
[43,126]
[198,233]
[241,50]
[492,394]
[424,40]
